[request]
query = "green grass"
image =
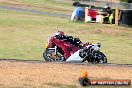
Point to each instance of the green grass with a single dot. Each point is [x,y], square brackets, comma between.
[55,4]
[49,2]
[23,36]
[41,5]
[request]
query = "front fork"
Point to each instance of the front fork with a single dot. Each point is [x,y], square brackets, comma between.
[55,49]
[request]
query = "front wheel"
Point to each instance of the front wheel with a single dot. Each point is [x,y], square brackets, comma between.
[50,55]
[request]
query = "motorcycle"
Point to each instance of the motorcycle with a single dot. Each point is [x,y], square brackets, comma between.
[61,47]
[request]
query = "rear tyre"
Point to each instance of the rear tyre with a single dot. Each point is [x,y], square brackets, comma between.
[102,58]
[98,57]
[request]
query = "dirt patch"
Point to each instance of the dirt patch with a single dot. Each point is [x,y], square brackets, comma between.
[21,74]
[9,1]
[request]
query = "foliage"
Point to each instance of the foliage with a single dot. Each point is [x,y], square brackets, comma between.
[129,1]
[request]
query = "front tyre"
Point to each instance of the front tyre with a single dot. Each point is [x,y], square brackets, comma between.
[50,55]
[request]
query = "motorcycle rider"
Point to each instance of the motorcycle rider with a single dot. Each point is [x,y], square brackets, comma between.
[75,41]
[88,52]
[59,34]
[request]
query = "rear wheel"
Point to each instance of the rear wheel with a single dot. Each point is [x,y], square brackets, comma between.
[50,55]
[98,57]
[102,58]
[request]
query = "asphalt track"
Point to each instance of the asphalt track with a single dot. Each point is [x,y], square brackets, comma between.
[11,8]
[75,63]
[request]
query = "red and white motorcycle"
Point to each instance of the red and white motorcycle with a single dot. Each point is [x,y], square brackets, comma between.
[61,47]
